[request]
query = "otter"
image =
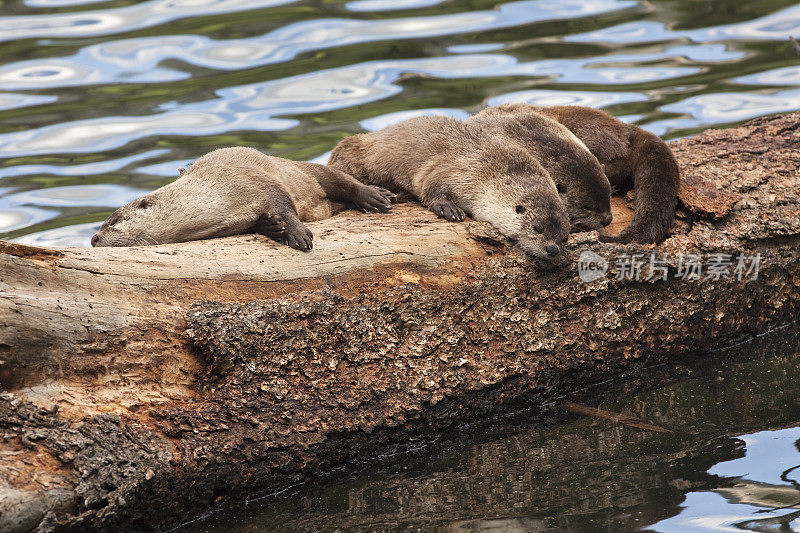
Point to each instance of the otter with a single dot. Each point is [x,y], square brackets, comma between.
[457,169]
[578,175]
[631,156]
[231,191]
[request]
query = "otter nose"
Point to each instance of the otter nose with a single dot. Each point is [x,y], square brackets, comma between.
[95,238]
[551,249]
[607,218]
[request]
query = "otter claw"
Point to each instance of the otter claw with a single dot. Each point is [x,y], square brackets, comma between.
[448,211]
[374,199]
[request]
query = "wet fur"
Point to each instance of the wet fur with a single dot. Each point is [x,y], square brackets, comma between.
[579,177]
[456,168]
[631,157]
[240,190]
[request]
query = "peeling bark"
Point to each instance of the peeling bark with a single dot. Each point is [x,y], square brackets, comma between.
[146,383]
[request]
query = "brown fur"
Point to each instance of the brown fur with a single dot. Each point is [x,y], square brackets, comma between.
[456,168]
[579,178]
[239,190]
[631,157]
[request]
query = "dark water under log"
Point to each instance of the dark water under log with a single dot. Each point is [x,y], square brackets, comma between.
[102,101]
[730,462]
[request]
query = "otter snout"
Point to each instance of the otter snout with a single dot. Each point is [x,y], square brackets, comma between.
[95,238]
[606,219]
[552,250]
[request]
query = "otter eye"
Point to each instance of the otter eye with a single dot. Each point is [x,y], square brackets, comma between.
[560,188]
[520,209]
[537,229]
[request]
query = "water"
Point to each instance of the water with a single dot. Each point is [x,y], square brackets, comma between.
[102,101]
[731,462]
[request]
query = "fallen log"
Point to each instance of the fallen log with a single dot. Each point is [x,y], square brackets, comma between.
[142,384]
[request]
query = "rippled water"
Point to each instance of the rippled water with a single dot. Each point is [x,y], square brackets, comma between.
[102,101]
[730,462]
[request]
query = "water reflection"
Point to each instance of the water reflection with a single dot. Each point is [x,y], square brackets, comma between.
[28,208]
[14,101]
[136,60]
[124,94]
[75,235]
[383,121]
[775,26]
[778,76]
[766,493]
[718,470]
[584,98]
[727,107]
[123,19]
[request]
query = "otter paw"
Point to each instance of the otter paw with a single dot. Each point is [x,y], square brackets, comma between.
[447,210]
[372,199]
[271,225]
[298,237]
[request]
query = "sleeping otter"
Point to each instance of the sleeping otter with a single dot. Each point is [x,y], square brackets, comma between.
[456,168]
[630,156]
[239,190]
[579,178]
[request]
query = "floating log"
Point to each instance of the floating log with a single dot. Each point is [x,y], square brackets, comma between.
[141,385]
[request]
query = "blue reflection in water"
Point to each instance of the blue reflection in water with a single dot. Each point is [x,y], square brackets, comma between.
[123,19]
[75,235]
[255,106]
[21,209]
[85,169]
[136,60]
[729,107]
[750,505]
[774,27]
[382,121]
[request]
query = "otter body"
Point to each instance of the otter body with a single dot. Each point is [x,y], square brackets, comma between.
[579,177]
[239,190]
[631,156]
[455,168]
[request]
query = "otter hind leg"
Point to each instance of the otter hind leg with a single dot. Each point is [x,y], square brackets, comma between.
[280,222]
[656,179]
[287,229]
[297,235]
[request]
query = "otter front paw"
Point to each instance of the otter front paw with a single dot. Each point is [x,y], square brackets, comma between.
[447,210]
[298,237]
[272,226]
[371,199]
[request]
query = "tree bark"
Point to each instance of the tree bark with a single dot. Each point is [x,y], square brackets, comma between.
[142,384]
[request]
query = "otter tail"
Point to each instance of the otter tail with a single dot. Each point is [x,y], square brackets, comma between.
[655,183]
[349,155]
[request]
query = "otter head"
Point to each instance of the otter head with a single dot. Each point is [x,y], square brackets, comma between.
[586,193]
[580,181]
[136,223]
[524,206]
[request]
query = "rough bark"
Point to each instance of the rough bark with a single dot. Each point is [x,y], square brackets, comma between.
[146,383]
